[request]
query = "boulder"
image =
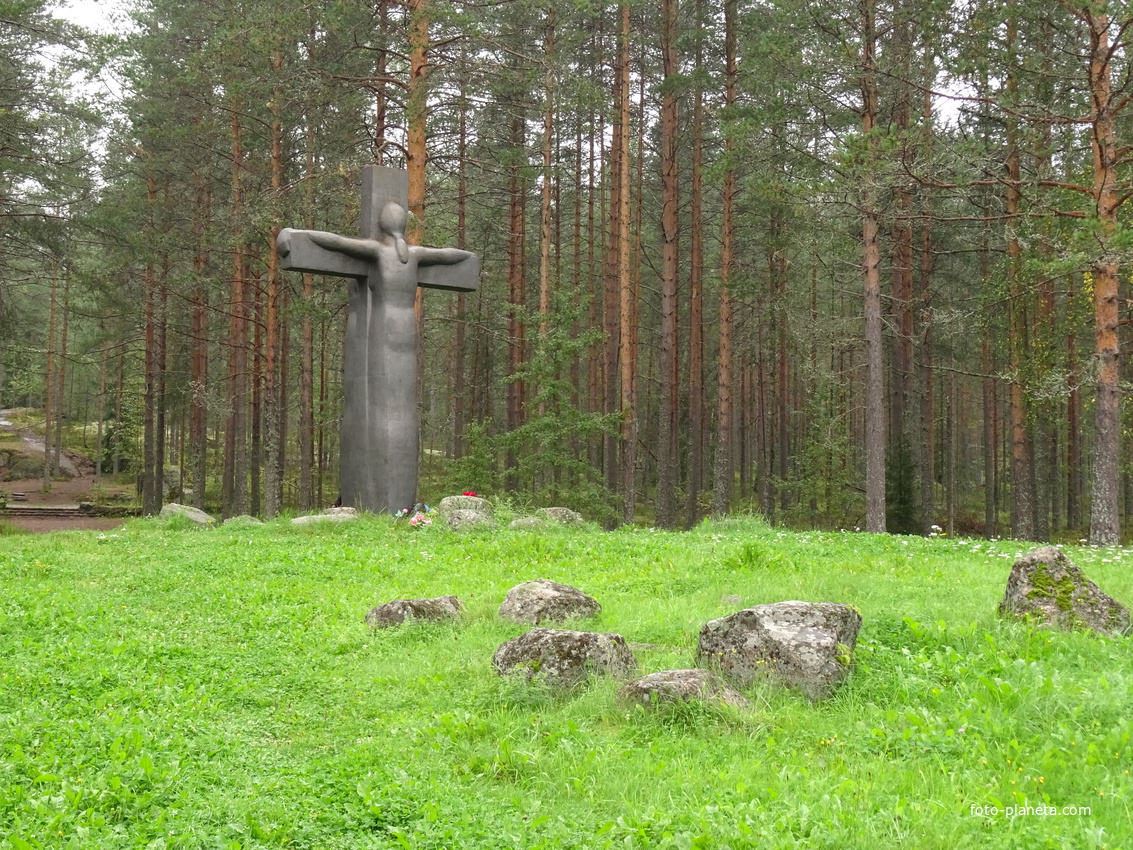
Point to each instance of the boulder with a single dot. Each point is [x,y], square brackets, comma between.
[565,516]
[463,519]
[1048,586]
[464,503]
[543,600]
[190,513]
[527,523]
[243,519]
[329,515]
[401,610]
[564,659]
[807,646]
[676,686]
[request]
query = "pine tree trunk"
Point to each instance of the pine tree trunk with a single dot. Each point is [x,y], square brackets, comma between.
[610,294]
[101,417]
[1073,422]
[235,492]
[926,456]
[150,504]
[307,341]
[380,97]
[1105,520]
[777,273]
[875,378]
[696,399]
[160,390]
[273,471]
[594,291]
[725,417]
[120,382]
[61,375]
[1022,470]
[198,405]
[416,119]
[49,388]
[668,458]
[517,296]
[459,369]
[256,417]
[548,178]
[627,313]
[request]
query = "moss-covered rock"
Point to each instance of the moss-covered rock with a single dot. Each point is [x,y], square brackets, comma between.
[1049,588]
[542,600]
[407,610]
[564,659]
[807,646]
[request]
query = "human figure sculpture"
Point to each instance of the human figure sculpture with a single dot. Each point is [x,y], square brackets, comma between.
[381,437]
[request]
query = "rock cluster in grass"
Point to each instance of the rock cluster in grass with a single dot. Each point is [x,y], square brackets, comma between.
[676,686]
[806,646]
[188,512]
[329,515]
[564,659]
[1050,588]
[404,610]
[543,600]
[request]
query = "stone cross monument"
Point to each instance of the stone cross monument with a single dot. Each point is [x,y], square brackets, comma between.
[381,431]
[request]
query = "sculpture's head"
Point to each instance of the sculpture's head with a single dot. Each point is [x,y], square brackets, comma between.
[392,220]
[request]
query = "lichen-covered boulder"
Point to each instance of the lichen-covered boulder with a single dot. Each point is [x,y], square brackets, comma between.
[527,523]
[676,686]
[1048,586]
[804,645]
[329,515]
[190,513]
[564,659]
[564,516]
[543,601]
[465,519]
[402,610]
[464,503]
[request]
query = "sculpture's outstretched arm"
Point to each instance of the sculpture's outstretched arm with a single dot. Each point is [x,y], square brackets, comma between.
[440,256]
[363,249]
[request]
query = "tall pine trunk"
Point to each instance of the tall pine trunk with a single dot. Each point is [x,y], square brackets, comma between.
[627,312]
[273,470]
[1105,520]
[696,399]
[875,378]
[234,497]
[725,416]
[668,458]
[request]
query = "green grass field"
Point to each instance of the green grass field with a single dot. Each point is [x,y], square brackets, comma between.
[164,686]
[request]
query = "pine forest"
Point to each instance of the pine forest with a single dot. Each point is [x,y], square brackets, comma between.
[846,265]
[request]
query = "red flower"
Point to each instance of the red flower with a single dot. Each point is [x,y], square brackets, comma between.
[469,493]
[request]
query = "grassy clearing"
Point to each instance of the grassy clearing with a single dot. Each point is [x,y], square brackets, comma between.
[163,686]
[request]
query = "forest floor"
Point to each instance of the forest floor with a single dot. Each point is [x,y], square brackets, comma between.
[76,485]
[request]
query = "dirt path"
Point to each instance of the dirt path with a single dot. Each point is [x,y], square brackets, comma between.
[44,526]
[70,492]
